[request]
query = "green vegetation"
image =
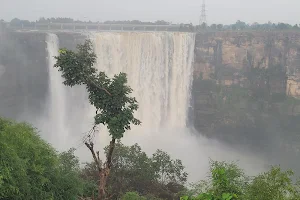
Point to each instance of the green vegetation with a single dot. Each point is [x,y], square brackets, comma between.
[228,182]
[238,26]
[156,176]
[31,169]
[243,26]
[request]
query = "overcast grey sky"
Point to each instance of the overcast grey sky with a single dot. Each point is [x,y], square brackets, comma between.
[218,11]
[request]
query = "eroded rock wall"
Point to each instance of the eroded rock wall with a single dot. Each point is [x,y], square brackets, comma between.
[246,89]
[228,54]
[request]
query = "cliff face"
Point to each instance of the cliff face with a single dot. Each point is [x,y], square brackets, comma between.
[229,54]
[22,77]
[24,71]
[247,88]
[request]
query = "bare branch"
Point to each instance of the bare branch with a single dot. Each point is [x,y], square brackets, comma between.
[91,148]
[98,157]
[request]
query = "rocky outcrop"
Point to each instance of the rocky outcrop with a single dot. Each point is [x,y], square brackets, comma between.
[225,56]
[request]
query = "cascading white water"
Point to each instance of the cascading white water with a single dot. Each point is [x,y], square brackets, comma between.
[56,105]
[159,66]
[159,69]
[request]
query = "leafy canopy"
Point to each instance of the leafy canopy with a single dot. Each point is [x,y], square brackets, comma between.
[111,97]
[31,169]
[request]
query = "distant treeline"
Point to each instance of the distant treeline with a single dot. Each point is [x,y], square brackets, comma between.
[239,25]
[17,21]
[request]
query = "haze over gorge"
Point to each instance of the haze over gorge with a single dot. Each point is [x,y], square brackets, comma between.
[200,94]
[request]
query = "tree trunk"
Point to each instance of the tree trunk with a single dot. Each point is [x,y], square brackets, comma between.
[105,170]
[104,173]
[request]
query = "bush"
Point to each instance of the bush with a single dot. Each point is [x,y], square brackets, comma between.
[132,196]
[31,169]
[274,184]
[228,182]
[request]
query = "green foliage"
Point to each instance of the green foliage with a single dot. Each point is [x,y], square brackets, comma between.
[228,182]
[132,196]
[69,184]
[26,163]
[168,170]
[31,169]
[227,178]
[136,196]
[111,97]
[274,184]
[134,171]
[90,177]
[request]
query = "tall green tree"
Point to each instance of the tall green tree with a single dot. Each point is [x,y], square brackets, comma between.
[110,96]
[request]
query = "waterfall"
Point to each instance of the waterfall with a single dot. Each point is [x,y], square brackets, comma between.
[159,66]
[57,115]
[159,70]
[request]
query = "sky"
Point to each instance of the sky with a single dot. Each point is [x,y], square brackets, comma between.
[176,11]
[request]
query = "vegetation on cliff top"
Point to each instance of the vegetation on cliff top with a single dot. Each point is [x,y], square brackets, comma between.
[239,25]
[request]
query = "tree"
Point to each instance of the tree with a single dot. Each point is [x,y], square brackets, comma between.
[283,26]
[227,182]
[240,25]
[213,26]
[296,26]
[203,25]
[90,176]
[132,169]
[31,169]
[26,163]
[168,170]
[274,184]
[110,97]
[220,26]
[69,185]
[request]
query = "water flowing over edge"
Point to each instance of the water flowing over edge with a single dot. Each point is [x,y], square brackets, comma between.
[159,66]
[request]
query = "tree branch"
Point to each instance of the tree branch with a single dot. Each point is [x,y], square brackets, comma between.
[97,160]
[98,157]
[96,85]
[110,152]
